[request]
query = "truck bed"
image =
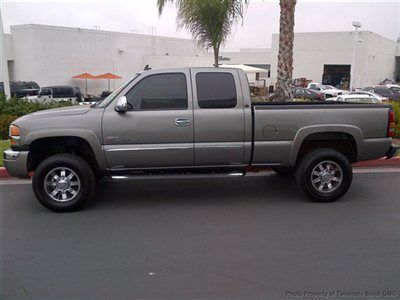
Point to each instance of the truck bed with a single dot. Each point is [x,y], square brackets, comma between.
[280,128]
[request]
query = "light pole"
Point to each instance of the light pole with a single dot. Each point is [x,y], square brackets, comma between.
[356,25]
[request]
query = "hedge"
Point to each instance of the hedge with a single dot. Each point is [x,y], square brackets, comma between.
[396,108]
[13,108]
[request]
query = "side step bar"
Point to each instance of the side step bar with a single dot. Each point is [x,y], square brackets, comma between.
[177,176]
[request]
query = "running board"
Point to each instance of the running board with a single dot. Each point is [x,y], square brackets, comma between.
[177,176]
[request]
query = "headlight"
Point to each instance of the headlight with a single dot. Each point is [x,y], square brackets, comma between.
[14,134]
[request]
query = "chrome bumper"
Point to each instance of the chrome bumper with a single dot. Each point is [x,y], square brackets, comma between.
[16,163]
[392,151]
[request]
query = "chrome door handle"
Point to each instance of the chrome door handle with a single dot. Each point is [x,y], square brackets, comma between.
[182,122]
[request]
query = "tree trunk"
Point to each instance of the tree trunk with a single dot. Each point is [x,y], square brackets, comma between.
[216,56]
[283,90]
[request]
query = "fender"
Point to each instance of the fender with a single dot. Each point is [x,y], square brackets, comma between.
[304,132]
[85,134]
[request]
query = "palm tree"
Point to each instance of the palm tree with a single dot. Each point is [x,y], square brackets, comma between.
[209,21]
[285,56]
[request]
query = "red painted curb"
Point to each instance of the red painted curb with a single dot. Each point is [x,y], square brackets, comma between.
[3,173]
[382,162]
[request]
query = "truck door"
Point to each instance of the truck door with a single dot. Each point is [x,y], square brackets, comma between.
[158,130]
[219,117]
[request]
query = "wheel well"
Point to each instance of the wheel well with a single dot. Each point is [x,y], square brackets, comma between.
[339,141]
[42,148]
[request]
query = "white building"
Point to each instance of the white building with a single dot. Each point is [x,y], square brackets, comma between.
[52,55]
[327,56]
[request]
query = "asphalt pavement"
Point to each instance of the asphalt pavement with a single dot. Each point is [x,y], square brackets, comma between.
[252,238]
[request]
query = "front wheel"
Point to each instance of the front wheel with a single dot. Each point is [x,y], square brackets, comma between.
[63,182]
[324,175]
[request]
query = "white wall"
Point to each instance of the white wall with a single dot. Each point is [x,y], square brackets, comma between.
[163,61]
[375,55]
[248,56]
[51,55]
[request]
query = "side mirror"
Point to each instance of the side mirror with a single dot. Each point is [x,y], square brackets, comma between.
[123,105]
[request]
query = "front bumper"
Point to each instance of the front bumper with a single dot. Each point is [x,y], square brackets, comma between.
[16,163]
[393,150]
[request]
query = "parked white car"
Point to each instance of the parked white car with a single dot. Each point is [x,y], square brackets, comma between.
[328,90]
[371,94]
[394,87]
[56,94]
[355,98]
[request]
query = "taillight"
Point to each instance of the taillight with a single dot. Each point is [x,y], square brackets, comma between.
[392,124]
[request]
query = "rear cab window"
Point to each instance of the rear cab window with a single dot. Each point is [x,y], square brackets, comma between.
[216,90]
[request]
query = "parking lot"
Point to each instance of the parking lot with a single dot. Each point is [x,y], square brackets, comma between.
[252,238]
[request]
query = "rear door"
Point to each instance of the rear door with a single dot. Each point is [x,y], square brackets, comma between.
[219,117]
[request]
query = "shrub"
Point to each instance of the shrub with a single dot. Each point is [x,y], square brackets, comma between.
[396,109]
[13,108]
[5,121]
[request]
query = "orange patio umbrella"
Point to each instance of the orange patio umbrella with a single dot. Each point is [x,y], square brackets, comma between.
[85,76]
[108,76]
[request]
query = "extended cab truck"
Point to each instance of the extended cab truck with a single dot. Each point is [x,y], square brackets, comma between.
[194,122]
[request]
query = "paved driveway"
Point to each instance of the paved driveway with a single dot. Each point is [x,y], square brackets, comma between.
[254,238]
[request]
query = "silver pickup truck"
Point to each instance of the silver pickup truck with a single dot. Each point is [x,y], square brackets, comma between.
[194,122]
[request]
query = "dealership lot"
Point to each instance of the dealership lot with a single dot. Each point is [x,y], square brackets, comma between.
[253,238]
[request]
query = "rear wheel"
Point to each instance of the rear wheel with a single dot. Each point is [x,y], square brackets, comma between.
[324,175]
[63,182]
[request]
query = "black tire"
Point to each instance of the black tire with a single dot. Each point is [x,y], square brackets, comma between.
[83,172]
[284,171]
[307,180]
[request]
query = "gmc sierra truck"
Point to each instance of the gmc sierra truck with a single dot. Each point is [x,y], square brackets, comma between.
[194,122]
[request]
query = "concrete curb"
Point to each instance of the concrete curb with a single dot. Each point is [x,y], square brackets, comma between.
[382,162]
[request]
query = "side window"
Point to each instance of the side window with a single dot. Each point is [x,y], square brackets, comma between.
[63,92]
[45,92]
[314,87]
[159,92]
[216,90]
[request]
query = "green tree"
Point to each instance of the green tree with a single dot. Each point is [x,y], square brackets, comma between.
[209,21]
[285,56]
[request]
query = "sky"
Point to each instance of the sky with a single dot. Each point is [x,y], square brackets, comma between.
[260,22]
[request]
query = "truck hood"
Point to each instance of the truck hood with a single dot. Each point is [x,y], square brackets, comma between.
[57,112]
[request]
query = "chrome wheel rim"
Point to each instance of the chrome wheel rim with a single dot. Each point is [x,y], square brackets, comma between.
[62,184]
[326,176]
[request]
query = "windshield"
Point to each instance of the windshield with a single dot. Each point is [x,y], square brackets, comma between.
[111,97]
